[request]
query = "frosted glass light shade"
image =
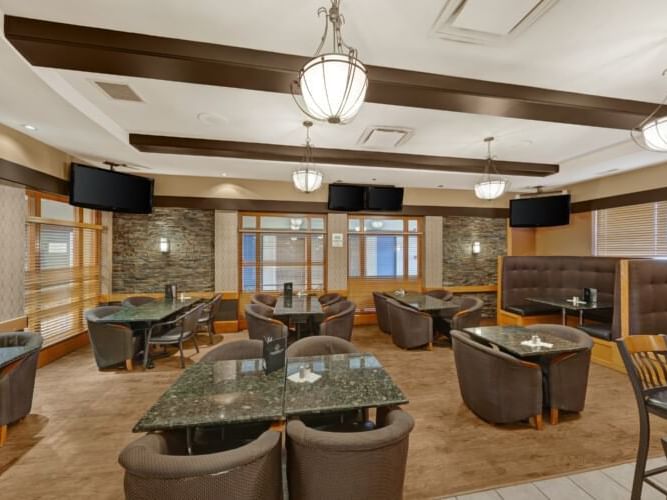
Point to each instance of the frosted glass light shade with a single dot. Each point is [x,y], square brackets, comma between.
[490,189]
[333,87]
[655,134]
[307,179]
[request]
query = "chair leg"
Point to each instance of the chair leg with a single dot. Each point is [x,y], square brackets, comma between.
[194,339]
[553,416]
[642,456]
[539,423]
[211,332]
[128,365]
[180,348]
[147,350]
[3,435]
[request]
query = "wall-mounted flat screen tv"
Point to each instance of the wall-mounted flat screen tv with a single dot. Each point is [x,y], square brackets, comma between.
[346,197]
[384,198]
[101,189]
[541,211]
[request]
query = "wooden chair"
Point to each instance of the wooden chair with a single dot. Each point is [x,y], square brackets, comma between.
[645,360]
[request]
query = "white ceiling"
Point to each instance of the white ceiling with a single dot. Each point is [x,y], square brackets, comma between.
[608,47]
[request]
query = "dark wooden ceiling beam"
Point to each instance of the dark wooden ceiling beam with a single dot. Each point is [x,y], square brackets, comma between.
[294,154]
[73,47]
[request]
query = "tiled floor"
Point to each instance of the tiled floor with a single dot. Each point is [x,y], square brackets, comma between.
[613,483]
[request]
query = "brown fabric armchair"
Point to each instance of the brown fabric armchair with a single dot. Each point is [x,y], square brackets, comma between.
[137,301]
[158,468]
[17,382]
[441,294]
[239,349]
[340,323]
[112,343]
[382,312]
[320,346]
[568,373]
[469,315]
[335,465]
[261,323]
[264,299]
[329,298]
[497,387]
[409,327]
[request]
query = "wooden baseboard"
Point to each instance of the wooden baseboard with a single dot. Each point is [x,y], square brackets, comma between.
[361,319]
[226,326]
[14,325]
[606,353]
[56,351]
[507,318]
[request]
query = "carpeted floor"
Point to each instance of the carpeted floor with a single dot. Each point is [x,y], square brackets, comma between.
[82,418]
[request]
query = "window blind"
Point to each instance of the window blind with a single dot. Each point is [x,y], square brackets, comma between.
[62,266]
[631,231]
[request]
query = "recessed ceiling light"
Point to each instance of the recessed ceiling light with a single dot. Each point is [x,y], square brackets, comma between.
[27,126]
[211,119]
[224,174]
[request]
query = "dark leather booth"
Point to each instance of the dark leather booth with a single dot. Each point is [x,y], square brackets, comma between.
[561,277]
[647,291]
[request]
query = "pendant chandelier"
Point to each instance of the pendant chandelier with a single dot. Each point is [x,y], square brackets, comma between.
[307,179]
[491,185]
[332,85]
[651,133]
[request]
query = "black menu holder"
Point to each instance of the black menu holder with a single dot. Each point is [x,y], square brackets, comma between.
[274,354]
[591,295]
[170,292]
[288,289]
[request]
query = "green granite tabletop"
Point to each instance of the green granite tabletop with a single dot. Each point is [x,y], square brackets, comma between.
[307,305]
[13,349]
[348,381]
[218,393]
[509,339]
[422,302]
[158,310]
[563,303]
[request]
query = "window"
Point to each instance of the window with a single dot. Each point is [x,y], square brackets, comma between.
[631,231]
[62,266]
[383,248]
[277,249]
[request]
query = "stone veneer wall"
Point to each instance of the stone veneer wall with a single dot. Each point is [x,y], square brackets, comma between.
[459,265]
[138,264]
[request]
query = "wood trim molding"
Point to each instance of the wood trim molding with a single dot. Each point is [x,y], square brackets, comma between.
[621,200]
[67,46]
[56,351]
[625,297]
[345,157]
[230,326]
[14,325]
[246,205]
[30,178]
[473,289]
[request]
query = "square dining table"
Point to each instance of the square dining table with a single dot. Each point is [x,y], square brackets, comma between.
[422,302]
[151,312]
[565,305]
[301,311]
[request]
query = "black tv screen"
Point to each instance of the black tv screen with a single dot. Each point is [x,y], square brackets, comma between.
[384,198]
[542,211]
[346,197]
[100,189]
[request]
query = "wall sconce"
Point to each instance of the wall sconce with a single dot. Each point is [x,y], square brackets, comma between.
[476,247]
[164,245]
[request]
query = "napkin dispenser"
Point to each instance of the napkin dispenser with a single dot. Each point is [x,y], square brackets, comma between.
[591,295]
[273,353]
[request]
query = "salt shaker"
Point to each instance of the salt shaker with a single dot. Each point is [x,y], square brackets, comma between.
[302,372]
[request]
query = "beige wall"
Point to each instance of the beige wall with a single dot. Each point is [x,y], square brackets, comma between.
[226,251]
[337,256]
[574,239]
[24,150]
[432,252]
[215,187]
[12,236]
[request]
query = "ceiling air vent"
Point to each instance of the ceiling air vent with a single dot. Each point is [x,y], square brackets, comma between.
[119,91]
[486,22]
[384,137]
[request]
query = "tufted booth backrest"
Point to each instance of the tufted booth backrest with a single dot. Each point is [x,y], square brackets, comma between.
[556,277]
[648,296]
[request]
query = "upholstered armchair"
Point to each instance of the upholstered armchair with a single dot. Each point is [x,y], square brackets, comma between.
[157,467]
[335,465]
[382,312]
[112,343]
[17,381]
[261,323]
[497,387]
[469,315]
[340,323]
[320,346]
[264,299]
[441,294]
[240,349]
[409,327]
[329,298]
[568,373]
[137,301]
